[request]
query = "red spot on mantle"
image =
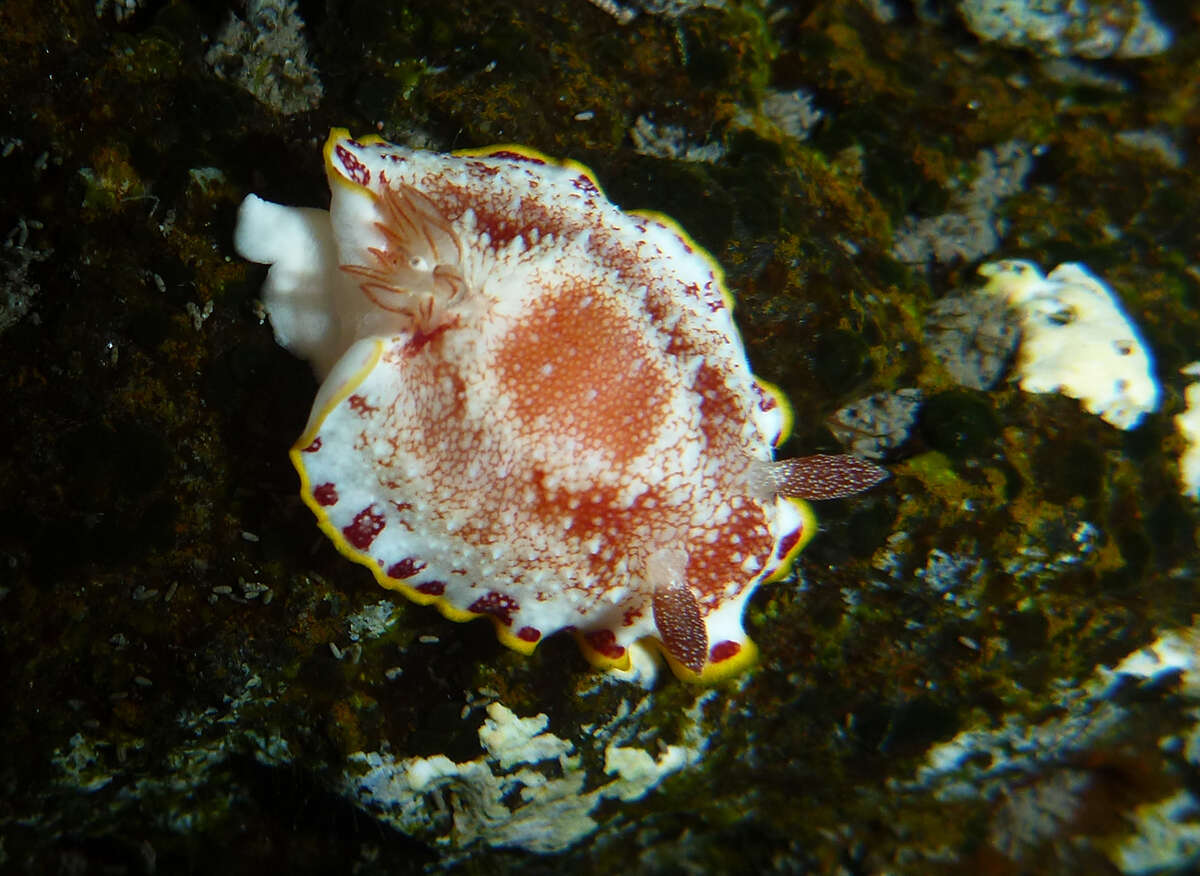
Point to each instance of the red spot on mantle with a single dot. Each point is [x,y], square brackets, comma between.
[514,156]
[584,184]
[359,405]
[605,642]
[498,605]
[528,634]
[788,542]
[314,447]
[325,494]
[421,339]
[432,588]
[355,169]
[723,651]
[406,568]
[367,524]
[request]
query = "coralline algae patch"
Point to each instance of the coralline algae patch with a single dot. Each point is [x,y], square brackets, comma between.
[526,791]
[1076,339]
[1084,28]
[194,791]
[1070,793]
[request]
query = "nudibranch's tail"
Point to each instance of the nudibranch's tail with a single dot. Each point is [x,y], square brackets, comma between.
[824,476]
[676,610]
[417,273]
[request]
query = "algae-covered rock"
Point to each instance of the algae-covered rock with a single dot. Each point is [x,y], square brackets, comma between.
[984,664]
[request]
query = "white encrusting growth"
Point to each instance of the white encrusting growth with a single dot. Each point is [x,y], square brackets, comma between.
[1077,340]
[1188,424]
[529,789]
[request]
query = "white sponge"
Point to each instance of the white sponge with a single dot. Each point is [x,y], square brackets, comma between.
[1075,339]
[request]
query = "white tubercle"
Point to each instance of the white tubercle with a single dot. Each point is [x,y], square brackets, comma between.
[1077,340]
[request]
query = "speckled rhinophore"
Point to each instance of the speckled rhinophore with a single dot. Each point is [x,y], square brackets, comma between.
[534,406]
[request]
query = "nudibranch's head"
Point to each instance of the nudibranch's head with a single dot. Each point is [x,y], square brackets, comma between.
[534,406]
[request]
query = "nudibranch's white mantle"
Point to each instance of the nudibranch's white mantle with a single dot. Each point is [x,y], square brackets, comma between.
[533,406]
